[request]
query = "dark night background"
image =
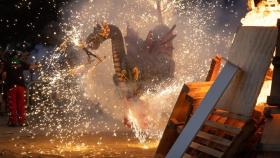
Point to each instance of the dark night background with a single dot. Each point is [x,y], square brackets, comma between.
[35,21]
[24,21]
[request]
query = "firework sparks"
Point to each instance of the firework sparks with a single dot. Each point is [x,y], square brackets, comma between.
[69,96]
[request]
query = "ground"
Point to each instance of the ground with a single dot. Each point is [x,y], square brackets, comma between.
[14,143]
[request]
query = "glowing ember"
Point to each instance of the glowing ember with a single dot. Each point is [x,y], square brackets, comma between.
[70,147]
[147,145]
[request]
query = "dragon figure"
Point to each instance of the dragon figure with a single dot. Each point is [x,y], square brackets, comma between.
[146,62]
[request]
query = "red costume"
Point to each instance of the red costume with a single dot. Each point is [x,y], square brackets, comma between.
[16,91]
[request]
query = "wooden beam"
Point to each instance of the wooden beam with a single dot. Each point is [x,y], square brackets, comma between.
[239,141]
[198,85]
[214,138]
[231,115]
[274,98]
[206,150]
[252,51]
[214,68]
[202,112]
[270,147]
[271,136]
[223,127]
[272,110]
[179,115]
[187,156]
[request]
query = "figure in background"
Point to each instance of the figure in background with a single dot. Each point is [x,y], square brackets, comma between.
[14,78]
[3,107]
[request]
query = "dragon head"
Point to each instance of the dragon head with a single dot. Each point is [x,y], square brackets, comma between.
[99,35]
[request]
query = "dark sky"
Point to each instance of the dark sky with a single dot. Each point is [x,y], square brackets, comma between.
[21,20]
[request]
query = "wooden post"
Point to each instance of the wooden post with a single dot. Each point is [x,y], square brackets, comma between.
[180,113]
[274,98]
[214,68]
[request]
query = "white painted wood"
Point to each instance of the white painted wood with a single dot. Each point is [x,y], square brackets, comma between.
[202,112]
[252,51]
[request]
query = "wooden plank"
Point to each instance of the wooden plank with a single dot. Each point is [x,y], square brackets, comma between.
[199,88]
[252,51]
[274,98]
[272,109]
[182,106]
[231,115]
[202,112]
[197,85]
[206,150]
[213,138]
[269,154]
[240,141]
[187,156]
[223,127]
[270,147]
[197,95]
[271,131]
[214,68]
[180,113]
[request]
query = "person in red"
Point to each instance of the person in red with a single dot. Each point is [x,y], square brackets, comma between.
[13,75]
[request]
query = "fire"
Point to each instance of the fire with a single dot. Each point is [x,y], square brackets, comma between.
[147,145]
[137,126]
[265,13]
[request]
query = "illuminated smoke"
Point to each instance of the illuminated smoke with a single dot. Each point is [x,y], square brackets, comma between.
[68,106]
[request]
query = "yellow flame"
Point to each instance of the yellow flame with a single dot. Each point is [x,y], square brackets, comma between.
[147,145]
[265,13]
[251,4]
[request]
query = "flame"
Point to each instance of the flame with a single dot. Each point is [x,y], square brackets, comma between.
[147,145]
[265,13]
[137,126]
[251,4]
[265,91]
